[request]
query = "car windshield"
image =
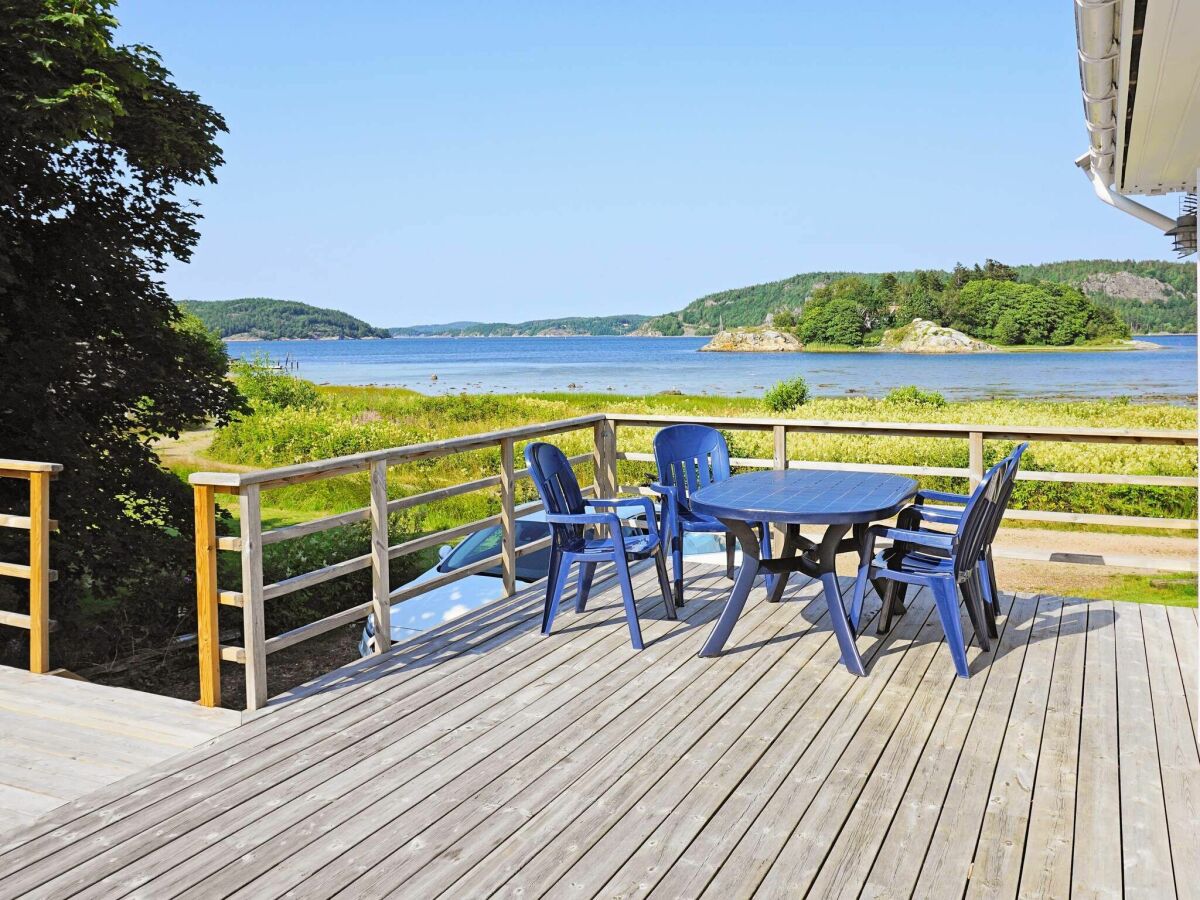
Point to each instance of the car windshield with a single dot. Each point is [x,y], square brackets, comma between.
[483,544]
[530,566]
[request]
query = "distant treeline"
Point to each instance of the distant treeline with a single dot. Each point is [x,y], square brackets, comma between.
[266,319]
[569,325]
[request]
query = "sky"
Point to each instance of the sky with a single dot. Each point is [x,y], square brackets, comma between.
[414,163]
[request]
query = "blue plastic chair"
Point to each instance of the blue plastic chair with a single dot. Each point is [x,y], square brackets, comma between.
[573,538]
[689,457]
[943,515]
[942,562]
[985,581]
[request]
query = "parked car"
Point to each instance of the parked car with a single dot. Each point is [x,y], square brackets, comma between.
[450,601]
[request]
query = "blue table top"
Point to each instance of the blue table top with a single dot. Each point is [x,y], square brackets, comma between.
[806,496]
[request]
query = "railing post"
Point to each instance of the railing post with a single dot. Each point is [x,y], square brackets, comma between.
[779,461]
[611,456]
[253,626]
[380,563]
[39,572]
[975,457]
[604,457]
[508,518]
[207,631]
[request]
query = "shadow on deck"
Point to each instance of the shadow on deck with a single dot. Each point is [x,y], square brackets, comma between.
[484,758]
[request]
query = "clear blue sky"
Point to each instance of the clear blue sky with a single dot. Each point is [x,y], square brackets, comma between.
[428,162]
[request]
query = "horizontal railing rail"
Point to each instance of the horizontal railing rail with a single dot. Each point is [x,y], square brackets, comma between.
[37,570]
[604,456]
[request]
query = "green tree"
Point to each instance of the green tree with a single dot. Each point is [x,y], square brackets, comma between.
[783,318]
[842,312]
[97,144]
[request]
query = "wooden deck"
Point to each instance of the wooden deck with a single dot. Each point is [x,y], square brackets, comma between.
[61,739]
[483,758]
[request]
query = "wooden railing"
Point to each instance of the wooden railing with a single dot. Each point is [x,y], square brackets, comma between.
[253,593]
[975,436]
[37,570]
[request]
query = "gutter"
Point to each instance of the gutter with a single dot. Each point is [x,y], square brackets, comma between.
[1096,30]
[1120,201]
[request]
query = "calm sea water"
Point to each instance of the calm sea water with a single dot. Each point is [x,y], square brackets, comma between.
[651,365]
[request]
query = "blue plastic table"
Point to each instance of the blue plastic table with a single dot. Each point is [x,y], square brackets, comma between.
[837,499]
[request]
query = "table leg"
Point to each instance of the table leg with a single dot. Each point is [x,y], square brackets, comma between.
[742,584]
[827,562]
[787,551]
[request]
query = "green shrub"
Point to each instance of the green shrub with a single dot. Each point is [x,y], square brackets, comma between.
[262,385]
[787,395]
[912,395]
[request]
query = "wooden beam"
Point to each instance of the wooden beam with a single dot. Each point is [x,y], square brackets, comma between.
[253,626]
[380,558]
[22,522]
[975,457]
[39,571]
[508,519]
[207,620]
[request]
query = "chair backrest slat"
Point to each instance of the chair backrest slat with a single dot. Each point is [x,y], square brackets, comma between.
[558,489]
[976,519]
[689,457]
[1013,464]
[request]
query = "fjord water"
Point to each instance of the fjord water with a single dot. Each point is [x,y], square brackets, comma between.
[627,365]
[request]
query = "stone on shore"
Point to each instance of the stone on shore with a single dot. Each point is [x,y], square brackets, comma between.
[923,336]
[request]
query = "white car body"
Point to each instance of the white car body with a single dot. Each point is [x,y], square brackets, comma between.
[450,601]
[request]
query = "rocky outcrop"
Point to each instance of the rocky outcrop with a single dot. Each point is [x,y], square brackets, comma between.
[764,341]
[1127,286]
[923,336]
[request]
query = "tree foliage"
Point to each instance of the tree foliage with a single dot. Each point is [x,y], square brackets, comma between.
[96,144]
[985,302]
[843,312]
[270,320]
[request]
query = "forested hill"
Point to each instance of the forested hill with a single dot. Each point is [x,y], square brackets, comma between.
[264,319]
[1150,295]
[564,327]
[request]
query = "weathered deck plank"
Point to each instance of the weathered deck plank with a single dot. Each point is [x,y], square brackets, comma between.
[484,758]
[1046,867]
[1145,842]
[1096,865]
[1183,633]
[61,739]
[1178,759]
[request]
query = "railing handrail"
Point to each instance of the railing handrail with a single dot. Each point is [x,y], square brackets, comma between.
[1065,434]
[26,465]
[604,456]
[360,462]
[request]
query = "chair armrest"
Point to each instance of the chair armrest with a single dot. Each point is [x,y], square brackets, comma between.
[608,519]
[942,497]
[644,502]
[670,506]
[919,538]
[941,515]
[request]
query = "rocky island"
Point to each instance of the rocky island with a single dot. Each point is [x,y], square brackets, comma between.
[745,341]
